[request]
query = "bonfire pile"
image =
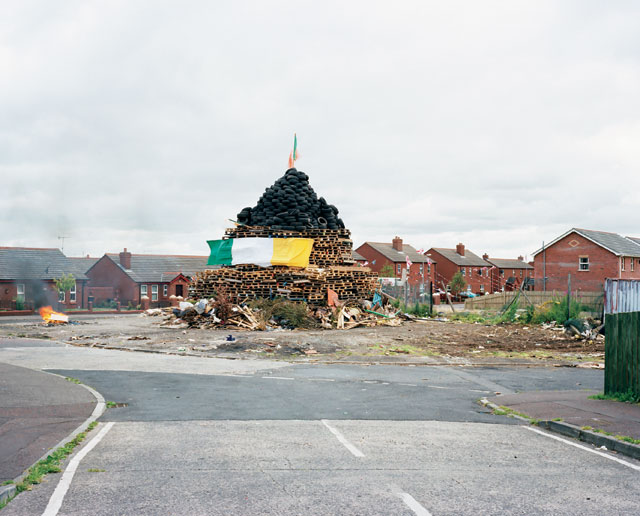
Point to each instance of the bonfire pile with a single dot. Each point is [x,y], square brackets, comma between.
[211,314]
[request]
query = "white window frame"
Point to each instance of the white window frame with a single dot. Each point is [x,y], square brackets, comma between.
[61,295]
[428,268]
[72,294]
[581,263]
[154,292]
[464,271]
[632,264]
[165,290]
[622,262]
[399,268]
[20,289]
[481,287]
[422,269]
[143,290]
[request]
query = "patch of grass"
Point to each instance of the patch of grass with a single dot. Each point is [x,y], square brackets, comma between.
[111,404]
[557,419]
[7,483]
[96,470]
[587,427]
[625,397]
[627,439]
[72,380]
[52,463]
[506,411]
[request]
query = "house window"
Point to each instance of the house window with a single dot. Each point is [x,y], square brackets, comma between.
[464,271]
[521,273]
[632,265]
[622,263]
[61,296]
[398,269]
[165,290]
[428,268]
[143,290]
[72,294]
[480,272]
[502,273]
[154,292]
[583,265]
[481,288]
[422,269]
[20,290]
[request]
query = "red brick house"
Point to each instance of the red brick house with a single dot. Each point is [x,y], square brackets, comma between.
[395,254]
[508,274]
[27,279]
[474,269]
[126,277]
[589,256]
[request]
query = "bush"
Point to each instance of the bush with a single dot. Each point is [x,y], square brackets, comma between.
[554,310]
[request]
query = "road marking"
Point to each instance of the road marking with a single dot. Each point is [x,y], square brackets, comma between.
[566,441]
[438,387]
[408,384]
[411,502]
[55,502]
[342,439]
[321,380]
[238,375]
[278,378]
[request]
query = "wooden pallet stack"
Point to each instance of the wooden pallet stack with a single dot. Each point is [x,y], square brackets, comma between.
[330,267]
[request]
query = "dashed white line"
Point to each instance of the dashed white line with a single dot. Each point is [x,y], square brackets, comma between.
[278,378]
[321,380]
[55,502]
[438,387]
[411,502]
[408,384]
[585,448]
[342,439]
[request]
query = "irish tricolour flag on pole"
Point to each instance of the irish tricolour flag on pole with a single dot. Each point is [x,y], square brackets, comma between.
[292,252]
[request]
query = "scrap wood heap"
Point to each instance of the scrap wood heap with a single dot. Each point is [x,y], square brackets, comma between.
[291,209]
[205,314]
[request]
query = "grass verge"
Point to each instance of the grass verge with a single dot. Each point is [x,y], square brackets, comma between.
[625,397]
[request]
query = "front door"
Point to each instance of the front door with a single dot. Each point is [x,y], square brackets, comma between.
[179,290]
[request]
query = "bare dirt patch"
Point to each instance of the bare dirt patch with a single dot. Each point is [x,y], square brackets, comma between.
[426,339]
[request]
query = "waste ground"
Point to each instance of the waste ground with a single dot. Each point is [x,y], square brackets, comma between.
[411,340]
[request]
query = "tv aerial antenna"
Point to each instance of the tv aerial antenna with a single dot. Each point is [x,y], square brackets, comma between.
[62,237]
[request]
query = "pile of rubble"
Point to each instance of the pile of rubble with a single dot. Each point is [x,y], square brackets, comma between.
[205,315]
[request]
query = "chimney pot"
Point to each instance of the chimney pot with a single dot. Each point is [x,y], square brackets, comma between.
[485,256]
[460,249]
[125,259]
[397,243]
[521,258]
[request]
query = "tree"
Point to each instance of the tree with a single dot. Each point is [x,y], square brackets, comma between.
[457,283]
[386,271]
[64,283]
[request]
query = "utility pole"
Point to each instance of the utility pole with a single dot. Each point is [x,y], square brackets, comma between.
[544,268]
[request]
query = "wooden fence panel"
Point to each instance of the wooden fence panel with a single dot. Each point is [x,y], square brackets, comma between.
[622,353]
[499,299]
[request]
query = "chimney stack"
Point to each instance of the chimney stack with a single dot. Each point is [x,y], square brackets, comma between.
[485,256]
[460,249]
[521,258]
[397,243]
[125,259]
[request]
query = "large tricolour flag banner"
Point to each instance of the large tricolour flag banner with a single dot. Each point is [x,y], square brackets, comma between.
[292,252]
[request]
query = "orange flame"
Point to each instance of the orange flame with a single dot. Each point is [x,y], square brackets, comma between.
[49,315]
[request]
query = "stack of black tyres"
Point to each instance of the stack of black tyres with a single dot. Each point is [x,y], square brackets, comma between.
[291,204]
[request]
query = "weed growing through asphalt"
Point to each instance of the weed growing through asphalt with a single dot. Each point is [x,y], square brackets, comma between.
[72,380]
[96,470]
[506,411]
[49,465]
[111,404]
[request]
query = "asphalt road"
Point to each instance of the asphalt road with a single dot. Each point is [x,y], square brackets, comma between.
[218,437]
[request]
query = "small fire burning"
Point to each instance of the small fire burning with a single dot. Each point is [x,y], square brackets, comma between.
[50,316]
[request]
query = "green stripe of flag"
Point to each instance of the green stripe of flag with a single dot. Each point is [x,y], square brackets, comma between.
[220,252]
[295,146]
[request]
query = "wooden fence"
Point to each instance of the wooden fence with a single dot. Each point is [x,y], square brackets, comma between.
[500,299]
[622,353]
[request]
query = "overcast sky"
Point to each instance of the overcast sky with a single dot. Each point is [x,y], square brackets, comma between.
[148,124]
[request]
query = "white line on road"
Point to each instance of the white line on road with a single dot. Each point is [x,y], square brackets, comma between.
[411,502]
[321,380]
[566,441]
[342,439]
[408,384]
[55,502]
[278,378]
